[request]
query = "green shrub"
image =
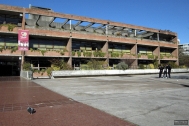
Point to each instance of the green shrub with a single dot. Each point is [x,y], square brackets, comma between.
[122,66]
[78,53]
[114,54]
[141,66]
[14,49]
[26,66]
[173,65]
[61,52]
[49,70]
[43,52]
[139,55]
[150,56]
[73,53]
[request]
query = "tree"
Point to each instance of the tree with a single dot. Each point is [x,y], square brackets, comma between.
[59,64]
[183,58]
[96,64]
[122,66]
[128,61]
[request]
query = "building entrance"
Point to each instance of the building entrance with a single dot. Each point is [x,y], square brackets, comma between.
[10,66]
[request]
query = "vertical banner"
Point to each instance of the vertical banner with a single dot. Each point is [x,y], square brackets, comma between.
[23,40]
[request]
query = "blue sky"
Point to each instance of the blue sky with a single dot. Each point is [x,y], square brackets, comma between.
[170,15]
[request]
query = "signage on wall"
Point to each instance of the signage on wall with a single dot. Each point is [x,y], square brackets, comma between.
[23,40]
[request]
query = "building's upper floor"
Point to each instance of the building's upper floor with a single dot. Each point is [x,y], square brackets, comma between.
[45,19]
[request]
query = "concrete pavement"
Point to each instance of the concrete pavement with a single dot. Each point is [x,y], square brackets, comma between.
[145,100]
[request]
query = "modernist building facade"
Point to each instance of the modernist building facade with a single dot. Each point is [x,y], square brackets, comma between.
[76,39]
[185,48]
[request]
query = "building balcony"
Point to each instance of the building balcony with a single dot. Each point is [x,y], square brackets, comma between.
[47,53]
[8,52]
[89,54]
[9,28]
[170,57]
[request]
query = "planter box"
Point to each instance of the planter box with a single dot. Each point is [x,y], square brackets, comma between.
[47,53]
[128,56]
[170,58]
[40,75]
[5,29]
[8,52]
[143,57]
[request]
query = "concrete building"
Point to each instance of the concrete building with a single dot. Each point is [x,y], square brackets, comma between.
[185,48]
[76,39]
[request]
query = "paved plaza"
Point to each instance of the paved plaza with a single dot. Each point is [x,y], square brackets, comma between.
[145,100]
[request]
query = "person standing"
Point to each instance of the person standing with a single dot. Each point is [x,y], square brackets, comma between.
[165,72]
[160,71]
[169,70]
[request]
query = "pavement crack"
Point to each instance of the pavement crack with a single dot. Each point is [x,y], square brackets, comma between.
[152,110]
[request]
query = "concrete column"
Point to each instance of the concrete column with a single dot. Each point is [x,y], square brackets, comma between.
[156,51]
[69,48]
[157,36]
[23,20]
[23,27]
[134,49]
[22,60]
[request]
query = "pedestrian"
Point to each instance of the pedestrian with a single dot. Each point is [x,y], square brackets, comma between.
[169,70]
[165,72]
[160,71]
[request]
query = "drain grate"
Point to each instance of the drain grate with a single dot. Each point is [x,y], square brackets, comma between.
[24,106]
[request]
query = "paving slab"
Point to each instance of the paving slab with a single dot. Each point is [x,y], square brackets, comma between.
[145,100]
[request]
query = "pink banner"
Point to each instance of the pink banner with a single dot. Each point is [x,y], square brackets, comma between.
[23,40]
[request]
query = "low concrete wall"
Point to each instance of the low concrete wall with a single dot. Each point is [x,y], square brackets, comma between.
[70,73]
[26,74]
[74,73]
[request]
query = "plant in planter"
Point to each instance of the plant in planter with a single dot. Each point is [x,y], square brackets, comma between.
[42,71]
[101,54]
[122,53]
[161,56]
[43,52]
[73,53]
[95,54]
[49,71]
[26,66]
[61,52]
[88,54]
[10,26]
[65,50]
[139,55]
[14,49]
[31,49]
[114,54]
[150,56]
[2,48]
[78,53]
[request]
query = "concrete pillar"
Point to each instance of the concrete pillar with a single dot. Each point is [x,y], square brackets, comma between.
[156,52]
[23,20]
[157,36]
[134,49]
[105,48]
[69,48]
[23,28]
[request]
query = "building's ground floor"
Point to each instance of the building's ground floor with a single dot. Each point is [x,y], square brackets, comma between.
[11,65]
